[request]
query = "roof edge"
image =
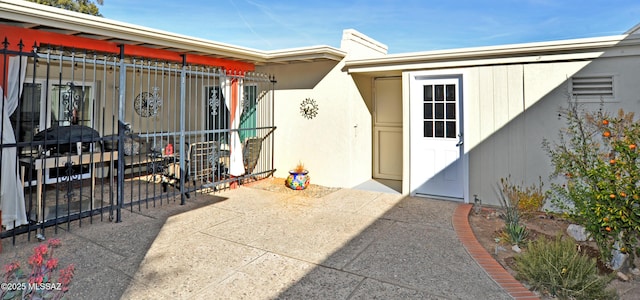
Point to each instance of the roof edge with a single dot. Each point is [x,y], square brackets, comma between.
[69,20]
[305,53]
[510,50]
[39,14]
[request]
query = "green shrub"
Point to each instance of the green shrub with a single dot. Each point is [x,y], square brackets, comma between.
[597,165]
[509,203]
[557,268]
[514,234]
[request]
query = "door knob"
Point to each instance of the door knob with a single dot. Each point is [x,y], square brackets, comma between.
[460,140]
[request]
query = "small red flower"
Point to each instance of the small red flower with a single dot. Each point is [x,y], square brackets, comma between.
[52,263]
[66,274]
[36,259]
[11,267]
[41,249]
[54,243]
[36,279]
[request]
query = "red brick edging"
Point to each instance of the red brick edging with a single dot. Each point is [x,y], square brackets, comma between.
[483,258]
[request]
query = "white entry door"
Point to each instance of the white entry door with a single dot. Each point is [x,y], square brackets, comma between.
[436,137]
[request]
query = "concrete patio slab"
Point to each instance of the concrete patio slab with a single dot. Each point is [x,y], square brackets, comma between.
[250,243]
[374,289]
[273,276]
[313,238]
[424,258]
[183,269]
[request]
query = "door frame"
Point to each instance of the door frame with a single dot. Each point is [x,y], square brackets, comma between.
[408,77]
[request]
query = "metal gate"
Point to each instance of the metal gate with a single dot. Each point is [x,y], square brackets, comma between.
[97,133]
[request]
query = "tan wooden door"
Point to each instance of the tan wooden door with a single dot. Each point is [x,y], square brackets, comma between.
[387,128]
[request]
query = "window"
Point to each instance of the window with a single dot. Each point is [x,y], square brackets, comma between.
[219,113]
[218,116]
[248,117]
[28,113]
[592,88]
[69,103]
[439,111]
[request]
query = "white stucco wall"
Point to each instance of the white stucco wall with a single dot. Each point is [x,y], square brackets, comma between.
[336,145]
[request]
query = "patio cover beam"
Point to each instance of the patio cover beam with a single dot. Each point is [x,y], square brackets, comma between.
[38,38]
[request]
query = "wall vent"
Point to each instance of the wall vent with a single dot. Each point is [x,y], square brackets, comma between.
[592,87]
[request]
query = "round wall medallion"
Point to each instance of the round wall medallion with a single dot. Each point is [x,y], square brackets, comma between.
[309,108]
[147,104]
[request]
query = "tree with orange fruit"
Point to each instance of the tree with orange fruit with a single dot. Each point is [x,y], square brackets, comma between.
[602,193]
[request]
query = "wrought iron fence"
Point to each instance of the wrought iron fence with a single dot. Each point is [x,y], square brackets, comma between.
[87,134]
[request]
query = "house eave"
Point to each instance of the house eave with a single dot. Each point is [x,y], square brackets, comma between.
[306,54]
[577,49]
[41,17]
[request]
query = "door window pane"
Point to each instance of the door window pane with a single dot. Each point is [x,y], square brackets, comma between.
[439,91]
[428,128]
[451,129]
[439,110]
[428,111]
[439,129]
[451,111]
[451,92]
[428,93]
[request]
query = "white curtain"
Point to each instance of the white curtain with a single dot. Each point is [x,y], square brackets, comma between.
[11,192]
[233,88]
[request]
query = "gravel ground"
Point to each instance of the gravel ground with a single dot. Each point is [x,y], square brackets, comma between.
[278,185]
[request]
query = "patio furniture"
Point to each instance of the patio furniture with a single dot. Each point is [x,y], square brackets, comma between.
[251,153]
[205,163]
[40,165]
[141,154]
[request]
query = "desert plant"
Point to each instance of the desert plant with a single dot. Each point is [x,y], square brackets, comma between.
[40,282]
[299,168]
[557,268]
[511,214]
[598,167]
[513,232]
[528,199]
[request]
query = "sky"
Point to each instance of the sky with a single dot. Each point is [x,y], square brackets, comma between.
[404,26]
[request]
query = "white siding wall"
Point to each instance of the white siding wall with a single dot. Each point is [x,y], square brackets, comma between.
[501,140]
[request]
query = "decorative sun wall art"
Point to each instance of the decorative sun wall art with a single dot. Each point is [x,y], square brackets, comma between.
[148,104]
[309,108]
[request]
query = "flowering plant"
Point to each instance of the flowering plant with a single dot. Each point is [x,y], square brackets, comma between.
[40,282]
[597,157]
